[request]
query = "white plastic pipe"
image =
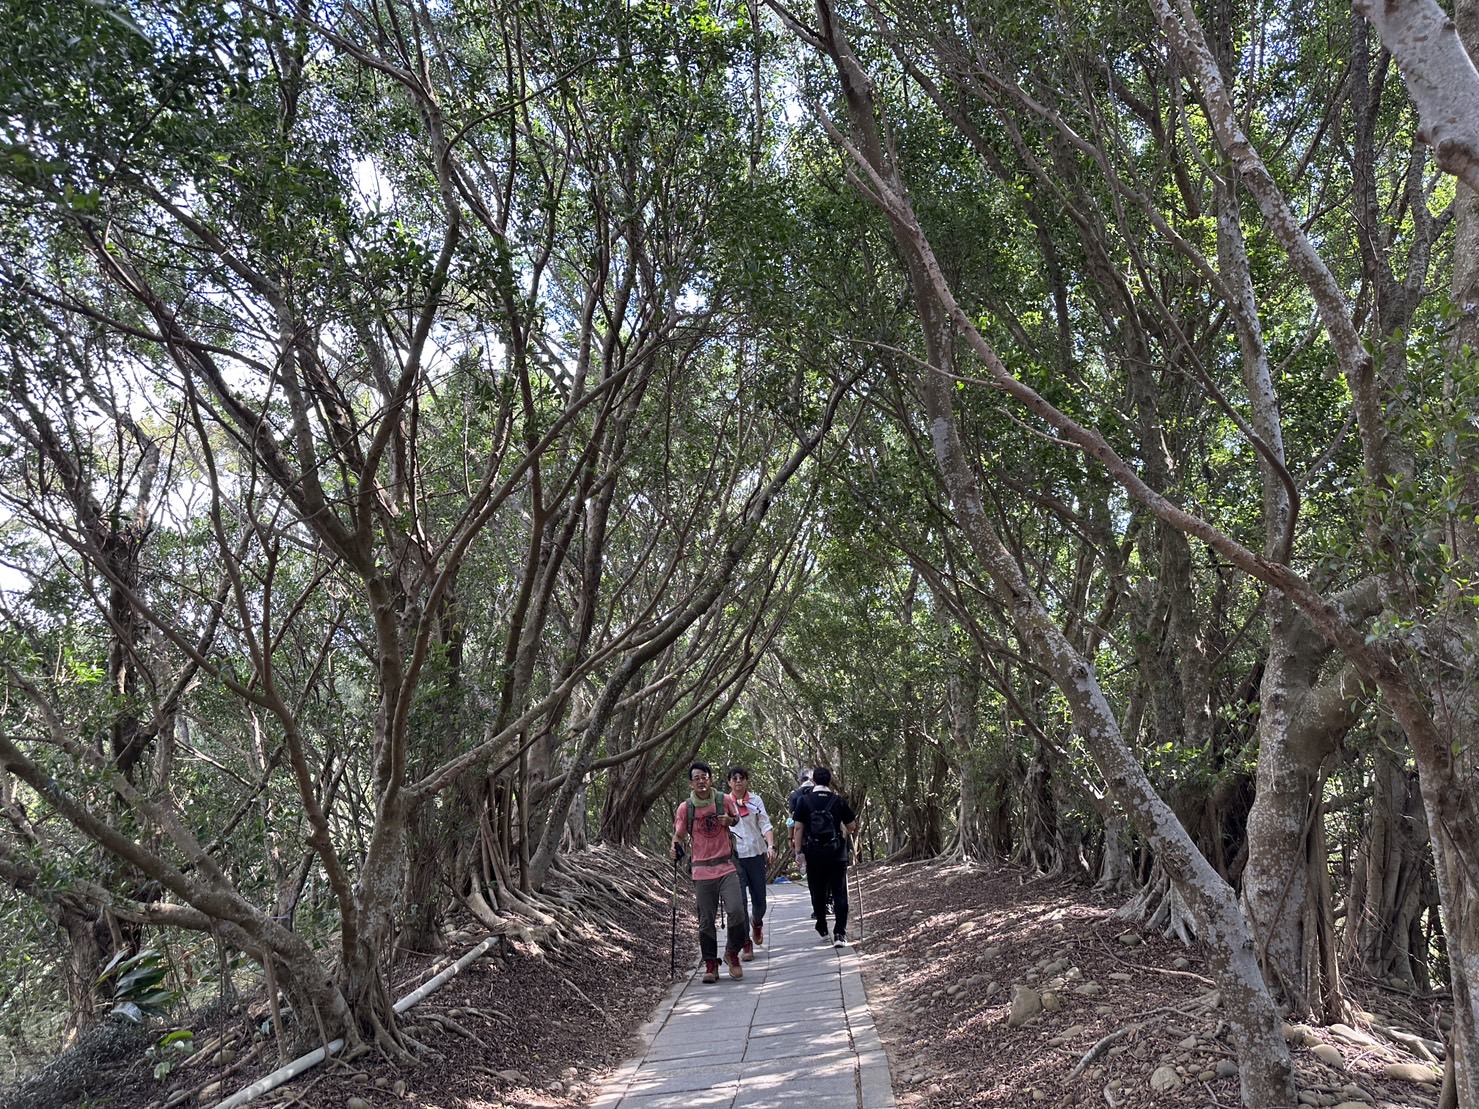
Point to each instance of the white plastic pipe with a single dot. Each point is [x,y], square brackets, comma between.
[319,1054]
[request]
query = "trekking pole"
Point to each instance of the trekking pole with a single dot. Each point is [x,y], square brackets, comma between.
[673,950]
[858,897]
[857,878]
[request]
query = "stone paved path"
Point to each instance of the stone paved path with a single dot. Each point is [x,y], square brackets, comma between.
[795,1031]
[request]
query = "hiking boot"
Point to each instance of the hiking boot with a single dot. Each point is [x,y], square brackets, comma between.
[747,953]
[839,939]
[735,970]
[758,934]
[711,970]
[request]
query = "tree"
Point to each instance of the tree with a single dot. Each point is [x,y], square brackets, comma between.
[406,346]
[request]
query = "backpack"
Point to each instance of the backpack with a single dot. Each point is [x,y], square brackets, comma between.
[822,836]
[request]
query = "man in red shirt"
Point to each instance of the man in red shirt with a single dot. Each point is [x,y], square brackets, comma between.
[707,817]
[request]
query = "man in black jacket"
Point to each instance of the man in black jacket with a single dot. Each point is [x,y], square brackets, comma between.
[822,817]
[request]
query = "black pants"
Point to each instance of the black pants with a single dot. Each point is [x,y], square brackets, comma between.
[827,878]
[752,878]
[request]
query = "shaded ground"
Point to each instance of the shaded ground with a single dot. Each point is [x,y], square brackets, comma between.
[941,949]
[944,946]
[524,1028]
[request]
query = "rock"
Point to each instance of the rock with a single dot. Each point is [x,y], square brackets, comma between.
[1051,1001]
[1351,1092]
[1353,1035]
[1182,962]
[1164,1079]
[400,1087]
[1410,1072]
[1328,1054]
[1352,1105]
[212,1091]
[1130,939]
[1089,989]
[1206,1075]
[513,1077]
[1037,1095]
[1299,1035]
[1026,1004]
[1189,1043]
[1121,976]
[1226,1068]
[1308,1097]
[357,1103]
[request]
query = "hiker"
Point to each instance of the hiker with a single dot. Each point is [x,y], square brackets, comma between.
[822,817]
[803,785]
[754,844]
[707,816]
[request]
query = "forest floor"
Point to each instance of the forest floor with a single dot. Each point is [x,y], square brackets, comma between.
[944,951]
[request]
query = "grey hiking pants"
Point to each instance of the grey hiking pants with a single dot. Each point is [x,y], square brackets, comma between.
[752,877]
[708,893]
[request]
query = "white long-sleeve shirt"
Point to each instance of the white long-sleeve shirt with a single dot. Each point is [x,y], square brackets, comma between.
[750,832]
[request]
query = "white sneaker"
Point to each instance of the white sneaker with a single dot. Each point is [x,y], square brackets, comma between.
[839,940]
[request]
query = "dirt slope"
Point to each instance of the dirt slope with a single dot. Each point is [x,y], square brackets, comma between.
[945,948]
[942,948]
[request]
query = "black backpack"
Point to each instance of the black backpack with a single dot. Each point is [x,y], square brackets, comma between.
[822,836]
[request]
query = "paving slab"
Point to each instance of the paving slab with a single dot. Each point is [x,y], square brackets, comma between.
[795,1031]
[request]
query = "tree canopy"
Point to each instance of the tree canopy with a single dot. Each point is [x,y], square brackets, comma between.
[427,428]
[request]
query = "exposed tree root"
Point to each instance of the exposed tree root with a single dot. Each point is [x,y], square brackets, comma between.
[1158,905]
[1100,1048]
[450,1025]
[489,1014]
[389,1043]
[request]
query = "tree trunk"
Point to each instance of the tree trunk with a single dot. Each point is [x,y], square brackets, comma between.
[1116,871]
[1039,815]
[1392,872]
[1285,882]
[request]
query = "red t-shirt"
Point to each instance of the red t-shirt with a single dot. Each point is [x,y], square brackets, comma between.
[712,852]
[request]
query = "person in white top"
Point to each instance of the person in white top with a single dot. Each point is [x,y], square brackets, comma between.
[754,841]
